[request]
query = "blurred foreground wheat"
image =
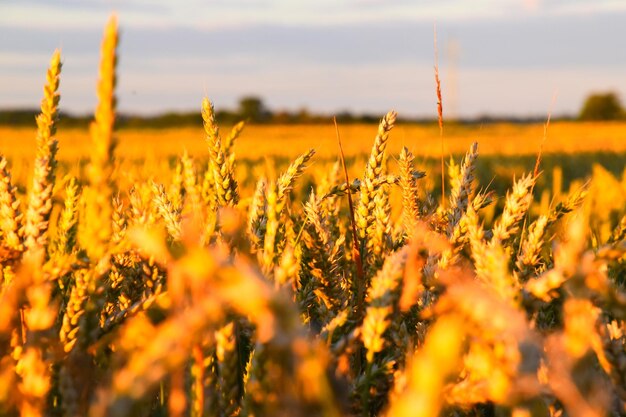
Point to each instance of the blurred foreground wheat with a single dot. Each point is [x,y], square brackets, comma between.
[181,292]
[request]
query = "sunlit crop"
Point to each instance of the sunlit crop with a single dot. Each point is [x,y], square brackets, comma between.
[206,285]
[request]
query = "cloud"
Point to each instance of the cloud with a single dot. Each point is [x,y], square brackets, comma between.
[579,41]
[245,13]
[574,7]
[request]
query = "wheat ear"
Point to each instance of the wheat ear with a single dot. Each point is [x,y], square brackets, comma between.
[517,203]
[408,184]
[461,189]
[221,165]
[40,197]
[10,215]
[68,220]
[373,170]
[96,232]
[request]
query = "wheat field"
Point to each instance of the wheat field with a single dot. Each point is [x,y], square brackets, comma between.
[289,141]
[236,272]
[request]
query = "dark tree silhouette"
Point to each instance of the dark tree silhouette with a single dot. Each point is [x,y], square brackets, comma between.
[602,106]
[252,108]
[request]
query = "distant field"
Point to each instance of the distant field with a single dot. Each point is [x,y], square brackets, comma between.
[288,141]
[506,150]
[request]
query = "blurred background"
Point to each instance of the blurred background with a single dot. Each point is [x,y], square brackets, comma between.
[498,58]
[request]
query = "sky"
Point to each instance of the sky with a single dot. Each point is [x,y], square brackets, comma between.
[496,57]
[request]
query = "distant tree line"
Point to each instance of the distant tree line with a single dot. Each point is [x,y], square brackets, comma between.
[598,106]
[251,109]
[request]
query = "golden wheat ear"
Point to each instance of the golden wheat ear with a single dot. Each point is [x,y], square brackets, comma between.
[374,169]
[221,162]
[461,189]
[40,196]
[408,185]
[10,215]
[65,238]
[98,209]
